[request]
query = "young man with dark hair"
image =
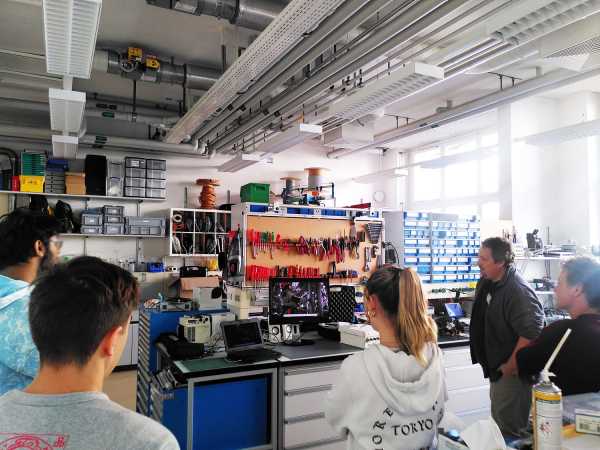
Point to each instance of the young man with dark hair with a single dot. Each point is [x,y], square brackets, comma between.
[577,366]
[506,316]
[80,330]
[29,244]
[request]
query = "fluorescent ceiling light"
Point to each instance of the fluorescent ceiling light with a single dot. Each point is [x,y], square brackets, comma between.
[564,134]
[70,31]
[369,178]
[457,158]
[290,137]
[283,33]
[64,146]
[408,80]
[66,110]
[530,19]
[241,161]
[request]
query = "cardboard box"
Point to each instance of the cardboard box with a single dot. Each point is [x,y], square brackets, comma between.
[187,285]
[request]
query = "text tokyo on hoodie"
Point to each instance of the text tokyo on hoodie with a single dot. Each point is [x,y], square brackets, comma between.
[386,400]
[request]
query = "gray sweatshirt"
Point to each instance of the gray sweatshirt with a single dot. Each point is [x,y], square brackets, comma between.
[87,420]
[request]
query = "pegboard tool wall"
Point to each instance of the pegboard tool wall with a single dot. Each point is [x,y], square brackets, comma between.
[294,227]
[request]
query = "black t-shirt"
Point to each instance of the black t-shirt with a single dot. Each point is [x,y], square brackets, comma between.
[577,366]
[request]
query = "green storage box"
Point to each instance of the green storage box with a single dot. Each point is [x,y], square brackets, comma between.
[255,193]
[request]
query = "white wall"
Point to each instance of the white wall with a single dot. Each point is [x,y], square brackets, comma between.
[556,186]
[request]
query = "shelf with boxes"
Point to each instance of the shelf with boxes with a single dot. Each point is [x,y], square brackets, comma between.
[111,220]
[198,232]
[131,177]
[442,248]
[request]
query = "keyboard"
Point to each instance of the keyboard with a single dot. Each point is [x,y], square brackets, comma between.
[255,355]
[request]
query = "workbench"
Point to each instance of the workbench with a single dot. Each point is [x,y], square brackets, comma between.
[278,404]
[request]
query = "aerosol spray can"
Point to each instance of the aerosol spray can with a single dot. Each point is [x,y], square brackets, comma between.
[547,415]
[547,407]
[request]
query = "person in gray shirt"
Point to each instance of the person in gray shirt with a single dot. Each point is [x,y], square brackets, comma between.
[506,316]
[79,315]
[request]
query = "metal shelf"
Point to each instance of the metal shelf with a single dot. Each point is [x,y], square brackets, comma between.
[87,197]
[195,255]
[113,235]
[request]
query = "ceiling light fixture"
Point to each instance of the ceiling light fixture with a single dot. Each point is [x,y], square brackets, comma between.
[241,161]
[406,81]
[564,134]
[457,158]
[369,178]
[289,138]
[66,110]
[70,31]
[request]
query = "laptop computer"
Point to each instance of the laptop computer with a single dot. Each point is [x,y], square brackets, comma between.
[244,342]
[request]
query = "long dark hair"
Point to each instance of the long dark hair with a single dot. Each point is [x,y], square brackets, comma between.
[400,293]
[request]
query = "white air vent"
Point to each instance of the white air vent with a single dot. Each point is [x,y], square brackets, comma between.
[406,81]
[66,110]
[70,30]
[283,33]
[530,19]
[564,134]
[64,146]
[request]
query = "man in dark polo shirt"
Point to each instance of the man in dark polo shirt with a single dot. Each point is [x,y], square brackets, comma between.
[577,366]
[506,317]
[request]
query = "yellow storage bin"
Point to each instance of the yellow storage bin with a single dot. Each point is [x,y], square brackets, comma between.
[31,183]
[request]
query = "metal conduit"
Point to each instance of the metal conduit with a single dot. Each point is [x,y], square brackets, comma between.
[424,14]
[20,132]
[342,21]
[524,89]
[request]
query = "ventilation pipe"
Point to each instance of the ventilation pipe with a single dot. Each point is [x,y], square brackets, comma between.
[100,141]
[252,14]
[91,111]
[188,75]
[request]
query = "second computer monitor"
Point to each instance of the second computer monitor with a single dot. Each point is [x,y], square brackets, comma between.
[298,300]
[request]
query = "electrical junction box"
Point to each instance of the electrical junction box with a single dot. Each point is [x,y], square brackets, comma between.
[360,336]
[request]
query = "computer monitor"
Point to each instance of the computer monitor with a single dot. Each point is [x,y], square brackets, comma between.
[241,335]
[454,310]
[298,300]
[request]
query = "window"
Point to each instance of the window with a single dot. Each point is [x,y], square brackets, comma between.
[466,180]
[490,211]
[428,182]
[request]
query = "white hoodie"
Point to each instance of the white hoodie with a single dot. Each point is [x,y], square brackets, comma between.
[388,401]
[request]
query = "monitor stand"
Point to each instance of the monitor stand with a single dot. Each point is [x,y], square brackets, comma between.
[291,335]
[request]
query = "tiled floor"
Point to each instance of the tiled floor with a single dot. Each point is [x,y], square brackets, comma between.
[120,387]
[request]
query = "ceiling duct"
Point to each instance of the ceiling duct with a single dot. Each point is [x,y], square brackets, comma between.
[290,27]
[64,146]
[552,80]
[575,39]
[252,14]
[408,80]
[66,110]
[534,18]
[70,31]
[188,75]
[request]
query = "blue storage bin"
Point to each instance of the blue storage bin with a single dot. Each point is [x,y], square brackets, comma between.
[410,251]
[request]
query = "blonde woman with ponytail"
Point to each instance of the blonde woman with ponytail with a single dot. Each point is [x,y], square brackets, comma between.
[391,396]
